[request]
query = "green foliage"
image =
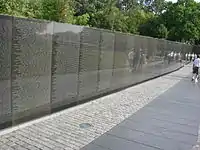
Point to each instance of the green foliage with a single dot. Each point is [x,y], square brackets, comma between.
[182,20]
[12,7]
[136,18]
[154,28]
[56,10]
[82,20]
[158,6]
[157,18]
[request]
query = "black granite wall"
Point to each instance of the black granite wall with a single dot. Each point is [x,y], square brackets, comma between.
[48,66]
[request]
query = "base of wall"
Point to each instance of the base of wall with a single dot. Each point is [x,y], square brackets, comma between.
[47,109]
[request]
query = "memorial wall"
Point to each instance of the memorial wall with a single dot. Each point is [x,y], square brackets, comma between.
[47,66]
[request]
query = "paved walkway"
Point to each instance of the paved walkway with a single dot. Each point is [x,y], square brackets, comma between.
[163,114]
[170,122]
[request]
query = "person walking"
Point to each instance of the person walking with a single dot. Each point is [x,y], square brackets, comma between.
[196,66]
[130,59]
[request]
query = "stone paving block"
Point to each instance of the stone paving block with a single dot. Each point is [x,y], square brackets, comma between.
[18,147]
[92,147]
[30,147]
[115,143]
[195,119]
[152,140]
[4,140]
[13,139]
[175,107]
[167,125]
[160,131]
[147,114]
[5,146]
[182,113]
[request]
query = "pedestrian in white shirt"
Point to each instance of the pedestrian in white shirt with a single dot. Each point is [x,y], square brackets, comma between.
[189,56]
[196,66]
[193,57]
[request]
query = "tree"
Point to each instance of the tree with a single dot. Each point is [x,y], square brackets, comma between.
[182,21]
[157,6]
[82,7]
[137,17]
[16,8]
[154,28]
[109,17]
[56,10]
[126,5]
[82,20]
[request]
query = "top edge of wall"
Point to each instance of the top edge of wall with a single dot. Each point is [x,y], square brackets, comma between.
[101,29]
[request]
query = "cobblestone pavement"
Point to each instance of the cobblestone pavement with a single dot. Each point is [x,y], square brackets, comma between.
[62,131]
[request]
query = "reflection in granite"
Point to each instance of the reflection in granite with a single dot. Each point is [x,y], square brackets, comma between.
[5,71]
[89,60]
[106,60]
[65,62]
[120,59]
[31,65]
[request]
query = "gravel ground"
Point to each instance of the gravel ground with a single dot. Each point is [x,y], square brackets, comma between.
[62,130]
